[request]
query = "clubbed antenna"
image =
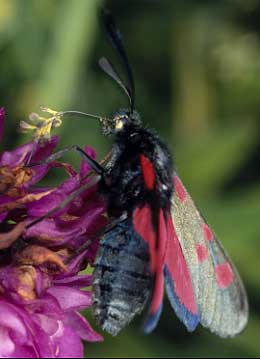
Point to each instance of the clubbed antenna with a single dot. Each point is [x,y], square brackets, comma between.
[117,42]
[110,71]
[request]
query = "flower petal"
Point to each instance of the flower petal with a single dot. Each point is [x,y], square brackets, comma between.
[48,324]
[24,351]
[7,346]
[48,304]
[9,318]
[75,265]
[81,326]
[51,201]
[56,231]
[22,153]
[45,150]
[8,238]
[71,298]
[69,345]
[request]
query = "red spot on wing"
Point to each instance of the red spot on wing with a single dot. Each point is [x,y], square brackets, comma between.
[142,220]
[224,275]
[179,188]
[208,234]
[148,172]
[179,270]
[202,252]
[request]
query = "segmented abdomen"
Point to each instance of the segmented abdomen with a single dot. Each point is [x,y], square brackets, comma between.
[121,279]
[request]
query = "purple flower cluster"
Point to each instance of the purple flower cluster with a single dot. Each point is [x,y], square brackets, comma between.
[41,288]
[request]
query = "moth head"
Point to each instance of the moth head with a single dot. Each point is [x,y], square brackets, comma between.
[119,122]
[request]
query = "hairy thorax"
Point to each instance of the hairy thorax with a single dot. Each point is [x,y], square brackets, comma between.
[139,170]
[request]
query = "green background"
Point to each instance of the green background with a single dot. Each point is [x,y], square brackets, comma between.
[197,72]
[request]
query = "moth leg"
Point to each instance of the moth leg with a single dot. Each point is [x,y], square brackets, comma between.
[96,167]
[64,203]
[54,157]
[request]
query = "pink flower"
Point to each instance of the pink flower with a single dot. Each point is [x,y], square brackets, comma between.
[41,290]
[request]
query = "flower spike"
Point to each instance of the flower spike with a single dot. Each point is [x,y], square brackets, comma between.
[42,126]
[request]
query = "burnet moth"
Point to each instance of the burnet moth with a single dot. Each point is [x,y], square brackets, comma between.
[157,241]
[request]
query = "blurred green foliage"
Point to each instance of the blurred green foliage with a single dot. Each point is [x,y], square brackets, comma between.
[197,71]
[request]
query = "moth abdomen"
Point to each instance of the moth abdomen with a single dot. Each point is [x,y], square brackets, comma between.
[122,280]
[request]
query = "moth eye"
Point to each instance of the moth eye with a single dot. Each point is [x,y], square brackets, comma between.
[119,124]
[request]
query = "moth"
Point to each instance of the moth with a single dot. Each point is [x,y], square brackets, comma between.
[157,241]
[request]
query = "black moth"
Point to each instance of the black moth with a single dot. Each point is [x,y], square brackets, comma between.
[156,237]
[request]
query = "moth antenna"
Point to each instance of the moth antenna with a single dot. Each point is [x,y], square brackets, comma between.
[72,112]
[107,67]
[117,42]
